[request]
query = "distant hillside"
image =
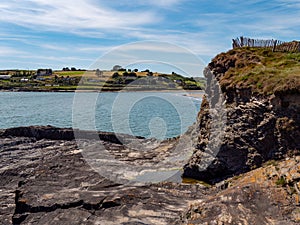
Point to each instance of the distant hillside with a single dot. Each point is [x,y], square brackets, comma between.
[96,80]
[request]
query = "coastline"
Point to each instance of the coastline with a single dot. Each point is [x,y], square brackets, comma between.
[255,169]
[199,92]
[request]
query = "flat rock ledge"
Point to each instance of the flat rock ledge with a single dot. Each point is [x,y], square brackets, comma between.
[46,180]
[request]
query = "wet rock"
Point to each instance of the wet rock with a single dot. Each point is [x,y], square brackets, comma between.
[54,133]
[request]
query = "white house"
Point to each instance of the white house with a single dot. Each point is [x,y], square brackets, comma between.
[24,80]
[5,77]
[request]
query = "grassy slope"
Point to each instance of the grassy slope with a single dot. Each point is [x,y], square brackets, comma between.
[261,69]
[91,81]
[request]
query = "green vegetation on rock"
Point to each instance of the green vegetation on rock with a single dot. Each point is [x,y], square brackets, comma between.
[265,71]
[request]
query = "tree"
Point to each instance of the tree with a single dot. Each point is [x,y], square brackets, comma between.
[136,70]
[132,74]
[73,69]
[55,78]
[67,80]
[116,68]
[49,71]
[98,72]
[17,73]
[115,75]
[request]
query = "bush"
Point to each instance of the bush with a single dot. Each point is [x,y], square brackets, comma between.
[281,181]
[116,75]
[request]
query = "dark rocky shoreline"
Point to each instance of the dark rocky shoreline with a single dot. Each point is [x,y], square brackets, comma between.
[48,181]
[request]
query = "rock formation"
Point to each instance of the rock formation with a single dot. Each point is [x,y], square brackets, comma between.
[267,195]
[261,135]
[48,181]
[257,127]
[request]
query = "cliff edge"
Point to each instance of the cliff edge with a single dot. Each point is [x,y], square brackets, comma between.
[251,153]
[259,92]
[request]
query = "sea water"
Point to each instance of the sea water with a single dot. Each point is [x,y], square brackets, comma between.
[149,114]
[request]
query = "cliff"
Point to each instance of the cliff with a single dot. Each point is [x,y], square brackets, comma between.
[258,91]
[247,140]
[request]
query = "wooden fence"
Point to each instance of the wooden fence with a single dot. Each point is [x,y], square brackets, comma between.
[275,45]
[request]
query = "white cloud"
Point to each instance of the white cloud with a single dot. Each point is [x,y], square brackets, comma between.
[200,43]
[69,15]
[206,29]
[91,19]
[53,47]
[8,51]
[159,47]
[95,48]
[257,19]
[159,3]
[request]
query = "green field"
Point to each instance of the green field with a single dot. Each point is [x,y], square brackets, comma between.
[69,73]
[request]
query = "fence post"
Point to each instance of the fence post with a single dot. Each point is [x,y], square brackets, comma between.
[234,45]
[274,46]
[242,41]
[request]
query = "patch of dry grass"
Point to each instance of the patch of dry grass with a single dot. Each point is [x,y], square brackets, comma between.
[261,69]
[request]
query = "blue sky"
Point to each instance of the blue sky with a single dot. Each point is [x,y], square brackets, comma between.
[59,33]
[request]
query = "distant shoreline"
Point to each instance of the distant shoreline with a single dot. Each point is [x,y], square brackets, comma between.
[91,91]
[198,94]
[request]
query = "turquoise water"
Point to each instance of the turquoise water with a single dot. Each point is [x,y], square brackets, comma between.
[159,115]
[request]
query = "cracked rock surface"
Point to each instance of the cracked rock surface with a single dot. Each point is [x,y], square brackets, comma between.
[267,195]
[47,181]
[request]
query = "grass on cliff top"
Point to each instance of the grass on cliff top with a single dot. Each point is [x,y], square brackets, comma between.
[266,72]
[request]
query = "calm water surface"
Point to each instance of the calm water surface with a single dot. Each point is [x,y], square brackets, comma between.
[160,115]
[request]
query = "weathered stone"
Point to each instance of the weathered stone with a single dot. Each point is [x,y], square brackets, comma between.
[260,196]
[257,128]
[47,181]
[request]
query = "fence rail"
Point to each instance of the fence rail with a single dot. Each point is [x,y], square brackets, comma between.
[275,45]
